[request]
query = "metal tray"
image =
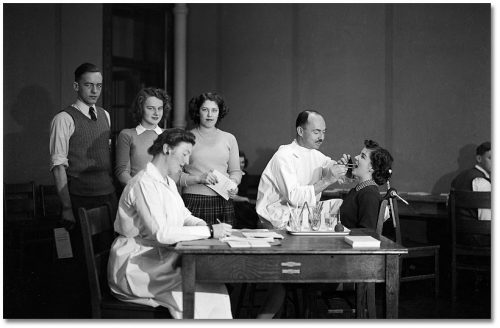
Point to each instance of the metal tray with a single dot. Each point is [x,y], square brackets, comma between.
[319,233]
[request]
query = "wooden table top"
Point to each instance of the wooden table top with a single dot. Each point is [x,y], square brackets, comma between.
[291,244]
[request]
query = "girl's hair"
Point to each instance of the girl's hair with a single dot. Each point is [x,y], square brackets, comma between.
[381,162]
[196,102]
[141,97]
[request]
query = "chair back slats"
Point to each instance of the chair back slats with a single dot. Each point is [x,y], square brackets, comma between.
[97,234]
[470,237]
[50,202]
[471,199]
[462,227]
[471,226]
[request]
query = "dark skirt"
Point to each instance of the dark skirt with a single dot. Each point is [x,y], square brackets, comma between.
[210,208]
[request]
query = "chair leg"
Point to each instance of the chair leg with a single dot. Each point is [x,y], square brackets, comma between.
[370,300]
[436,272]
[252,311]
[360,300]
[296,304]
[453,283]
[241,298]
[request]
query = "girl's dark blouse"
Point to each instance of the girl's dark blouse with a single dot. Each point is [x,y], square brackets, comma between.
[360,208]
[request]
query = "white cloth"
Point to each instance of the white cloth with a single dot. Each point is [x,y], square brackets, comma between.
[289,178]
[140,129]
[141,269]
[481,184]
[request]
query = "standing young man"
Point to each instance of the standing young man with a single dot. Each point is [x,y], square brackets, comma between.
[81,160]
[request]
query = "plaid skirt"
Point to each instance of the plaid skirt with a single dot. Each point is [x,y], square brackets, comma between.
[210,208]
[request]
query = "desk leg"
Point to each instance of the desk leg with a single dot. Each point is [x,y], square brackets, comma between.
[392,286]
[188,285]
[361,288]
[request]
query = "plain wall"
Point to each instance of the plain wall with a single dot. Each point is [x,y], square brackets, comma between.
[43,45]
[415,77]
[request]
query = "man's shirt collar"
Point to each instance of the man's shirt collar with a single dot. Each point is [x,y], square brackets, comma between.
[486,174]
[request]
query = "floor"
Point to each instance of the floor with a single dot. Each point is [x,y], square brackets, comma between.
[416,302]
[46,288]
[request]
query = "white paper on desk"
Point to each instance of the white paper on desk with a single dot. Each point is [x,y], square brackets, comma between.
[234,243]
[248,243]
[262,234]
[63,243]
[223,185]
[246,239]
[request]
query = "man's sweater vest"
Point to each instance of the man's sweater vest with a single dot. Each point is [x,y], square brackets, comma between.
[89,170]
[464,182]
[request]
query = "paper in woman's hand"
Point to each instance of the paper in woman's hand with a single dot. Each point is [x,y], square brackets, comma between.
[223,185]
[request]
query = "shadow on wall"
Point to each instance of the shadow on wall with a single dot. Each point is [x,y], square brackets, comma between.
[26,153]
[258,164]
[465,160]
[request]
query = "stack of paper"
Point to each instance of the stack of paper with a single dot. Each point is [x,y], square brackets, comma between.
[248,243]
[235,241]
[262,234]
[362,241]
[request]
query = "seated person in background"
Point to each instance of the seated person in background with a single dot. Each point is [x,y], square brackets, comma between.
[297,172]
[244,207]
[152,215]
[150,109]
[477,178]
[361,205]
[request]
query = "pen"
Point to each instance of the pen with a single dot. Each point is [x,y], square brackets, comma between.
[219,221]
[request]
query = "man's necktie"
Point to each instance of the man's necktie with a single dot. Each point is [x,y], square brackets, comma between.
[92,114]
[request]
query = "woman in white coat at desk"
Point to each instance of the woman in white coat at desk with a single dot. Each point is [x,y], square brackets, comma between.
[151,216]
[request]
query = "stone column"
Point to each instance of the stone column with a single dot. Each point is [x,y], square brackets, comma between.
[180,32]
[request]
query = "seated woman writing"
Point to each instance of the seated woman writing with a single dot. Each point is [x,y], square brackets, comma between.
[361,205]
[151,216]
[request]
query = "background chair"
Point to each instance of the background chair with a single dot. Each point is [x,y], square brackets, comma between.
[22,225]
[98,235]
[470,238]
[19,201]
[50,202]
[415,249]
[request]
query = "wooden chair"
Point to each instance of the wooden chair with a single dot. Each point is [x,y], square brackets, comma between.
[19,201]
[470,238]
[415,249]
[98,235]
[22,225]
[50,202]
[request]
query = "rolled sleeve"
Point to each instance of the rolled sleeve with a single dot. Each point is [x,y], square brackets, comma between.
[61,130]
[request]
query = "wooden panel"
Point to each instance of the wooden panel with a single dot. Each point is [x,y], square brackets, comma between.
[269,268]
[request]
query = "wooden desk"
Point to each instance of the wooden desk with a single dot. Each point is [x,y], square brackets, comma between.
[299,259]
[422,206]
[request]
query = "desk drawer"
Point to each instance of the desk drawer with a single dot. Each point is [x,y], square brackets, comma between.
[273,268]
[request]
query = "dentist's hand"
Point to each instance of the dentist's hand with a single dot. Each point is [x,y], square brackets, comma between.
[334,172]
